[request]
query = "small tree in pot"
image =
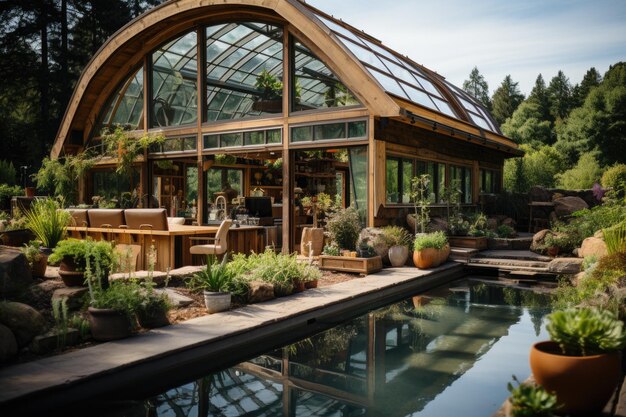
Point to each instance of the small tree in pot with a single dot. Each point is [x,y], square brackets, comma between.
[344,228]
[585,346]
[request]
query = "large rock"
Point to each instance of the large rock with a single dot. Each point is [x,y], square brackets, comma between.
[537,193]
[437,224]
[24,321]
[565,206]
[565,265]
[8,344]
[369,235]
[15,274]
[74,296]
[539,240]
[593,246]
[260,291]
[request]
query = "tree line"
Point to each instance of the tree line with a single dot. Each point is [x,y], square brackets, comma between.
[571,133]
[44,45]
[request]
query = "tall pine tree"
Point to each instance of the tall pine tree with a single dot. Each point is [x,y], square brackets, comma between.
[539,96]
[506,99]
[560,93]
[477,87]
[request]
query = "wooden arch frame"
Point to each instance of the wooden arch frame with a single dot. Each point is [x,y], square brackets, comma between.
[127,48]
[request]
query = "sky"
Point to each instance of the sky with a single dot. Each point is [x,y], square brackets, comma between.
[518,37]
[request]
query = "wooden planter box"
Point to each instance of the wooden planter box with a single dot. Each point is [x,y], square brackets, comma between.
[471,242]
[347,264]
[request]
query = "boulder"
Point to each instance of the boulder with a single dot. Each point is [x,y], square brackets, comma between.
[24,321]
[509,222]
[565,265]
[8,344]
[15,273]
[538,240]
[537,193]
[369,235]
[158,277]
[492,223]
[75,297]
[565,206]
[593,246]
[260,291]
[437,224]
[577,279]
[176,299]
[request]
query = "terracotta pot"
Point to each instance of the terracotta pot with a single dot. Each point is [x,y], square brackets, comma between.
[29,191]
[425,258]
[108,324]
[311,284]
[70,276]
[553,251]
[298,286]
[583,384]
[398,255]
[216,301]
[39,267]
[443,254]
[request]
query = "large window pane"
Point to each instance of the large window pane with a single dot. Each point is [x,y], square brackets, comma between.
[174,82]
[244,72]
[461,177]
[392,188]
[315,85]
[357,160]
[219,179]
[407,175]
[125,106]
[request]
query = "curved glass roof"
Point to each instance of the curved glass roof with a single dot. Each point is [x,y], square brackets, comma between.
[403,78]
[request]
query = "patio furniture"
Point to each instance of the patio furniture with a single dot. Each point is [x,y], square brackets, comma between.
[220,241]
[79,217]
[153,219]
[113,218]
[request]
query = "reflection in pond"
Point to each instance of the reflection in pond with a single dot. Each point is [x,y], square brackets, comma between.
[448,352]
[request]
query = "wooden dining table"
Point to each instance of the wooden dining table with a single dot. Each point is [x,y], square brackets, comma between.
[172,245]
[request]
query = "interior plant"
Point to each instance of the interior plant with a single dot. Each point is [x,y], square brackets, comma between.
[430,249]
[420,194]
[530,400]
[214,281]
[268,86]
[344,227]
[585,346]
[47,222]
[398,240]
[36,259]
[75,255]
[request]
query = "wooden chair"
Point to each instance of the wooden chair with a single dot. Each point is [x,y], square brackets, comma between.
[112,218]
[219,243]
[150,219]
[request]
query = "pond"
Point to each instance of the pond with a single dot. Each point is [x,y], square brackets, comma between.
[448,352]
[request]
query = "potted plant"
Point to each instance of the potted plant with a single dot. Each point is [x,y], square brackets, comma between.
[398,240]
[214,280]
[581,363]
[47,222]
[344,227]
[270,91]
[152,309]
[74,256]
[112,310]
[36,259]
[529,400]
[430,250]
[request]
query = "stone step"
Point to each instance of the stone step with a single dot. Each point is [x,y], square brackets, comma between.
[521,255]
[508,263]
[510,267]
[462,254]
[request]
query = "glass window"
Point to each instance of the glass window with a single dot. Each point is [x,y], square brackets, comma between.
[174,82]
[400,172]
[274,136]
[189,143]
[125,106]
[357,129]
[219,179]
[211,141]
[302,134]
[231,139]
[489,181]
[437,176]
[357,160]
[244,74]
[461,177]
[392,183]
[191,184]
[407,176]
[254,138]
[315,85]
[330,131]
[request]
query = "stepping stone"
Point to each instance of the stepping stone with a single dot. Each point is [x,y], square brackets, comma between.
[157,276]
[176,299]
[565,265]
[185,271]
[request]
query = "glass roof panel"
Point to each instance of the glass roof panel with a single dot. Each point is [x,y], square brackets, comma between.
[418,96]
[389,84]
[340,30]
[444,107]
[365,55]
[400,72]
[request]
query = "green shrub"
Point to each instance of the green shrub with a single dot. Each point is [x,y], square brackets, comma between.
[436,240]
[6,192]
[586,172]
[331,250]
[615,238]
[531,400]
[121,296]
[505,231]
[586,331]
[99,254]
[215,277]
[615,179]
[394,236]
[587,222]
[344,228]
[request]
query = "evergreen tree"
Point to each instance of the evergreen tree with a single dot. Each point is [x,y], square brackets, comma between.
[527,126]
[580,92]
[477,87]
[560,93]
[506,99]
[539,95]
